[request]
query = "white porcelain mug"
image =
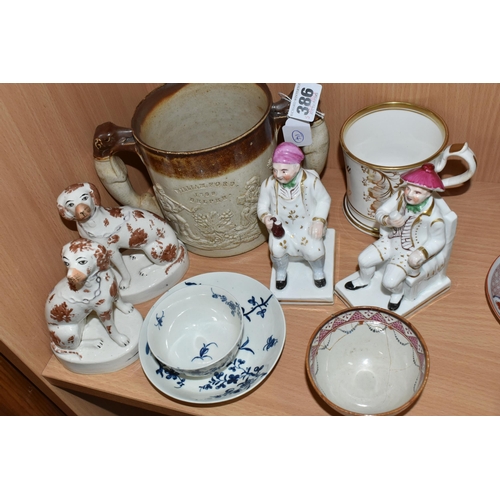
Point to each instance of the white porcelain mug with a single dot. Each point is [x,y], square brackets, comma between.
[383,141]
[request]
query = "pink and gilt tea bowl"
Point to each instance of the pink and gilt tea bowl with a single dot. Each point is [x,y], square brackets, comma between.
[367,361]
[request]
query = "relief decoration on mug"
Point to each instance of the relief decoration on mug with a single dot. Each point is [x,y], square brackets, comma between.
[213,228]
[380,187]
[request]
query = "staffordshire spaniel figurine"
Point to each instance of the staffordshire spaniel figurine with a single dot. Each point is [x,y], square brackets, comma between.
[89,286]
[121,228]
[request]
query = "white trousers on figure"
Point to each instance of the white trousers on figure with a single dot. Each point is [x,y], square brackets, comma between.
[397,269]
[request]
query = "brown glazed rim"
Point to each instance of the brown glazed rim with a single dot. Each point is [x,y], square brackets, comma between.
[395,411]
[393,105]
[143,106]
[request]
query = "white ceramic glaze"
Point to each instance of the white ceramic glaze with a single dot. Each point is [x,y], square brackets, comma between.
[263,341]
[383,141]
[198,330]
[92,329]
[493,287]
[294,206]
[367,361]
[155,259]
[108,357]
[429,283]
[300,288]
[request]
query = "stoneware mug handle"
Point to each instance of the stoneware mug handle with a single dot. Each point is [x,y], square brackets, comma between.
[110,139]
[465,153]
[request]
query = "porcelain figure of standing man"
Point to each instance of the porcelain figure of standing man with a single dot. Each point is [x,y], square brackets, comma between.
[416,234]
[293,204]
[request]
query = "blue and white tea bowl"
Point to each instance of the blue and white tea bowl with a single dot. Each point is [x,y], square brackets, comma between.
[198,330]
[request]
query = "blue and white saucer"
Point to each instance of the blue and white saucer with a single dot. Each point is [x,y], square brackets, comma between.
[263,341]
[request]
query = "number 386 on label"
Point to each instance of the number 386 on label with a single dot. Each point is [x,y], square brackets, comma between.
[305,101]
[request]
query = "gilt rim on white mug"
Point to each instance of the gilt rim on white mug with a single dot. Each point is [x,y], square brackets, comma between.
[394,105]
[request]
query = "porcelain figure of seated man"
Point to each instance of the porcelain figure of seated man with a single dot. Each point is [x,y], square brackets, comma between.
[416,234]
[294,205]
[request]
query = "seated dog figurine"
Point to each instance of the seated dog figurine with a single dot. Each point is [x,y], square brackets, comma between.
[89,286]
[120,228]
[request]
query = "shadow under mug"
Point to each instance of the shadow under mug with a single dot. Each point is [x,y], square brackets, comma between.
[382,142]
[207,149]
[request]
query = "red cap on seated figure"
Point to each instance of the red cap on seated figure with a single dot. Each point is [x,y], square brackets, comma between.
[425,177]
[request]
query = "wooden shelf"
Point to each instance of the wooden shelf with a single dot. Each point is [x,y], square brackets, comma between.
[461,332]
[46,144]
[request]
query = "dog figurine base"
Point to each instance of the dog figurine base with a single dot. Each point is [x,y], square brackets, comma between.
[109,357]
[158,280]
[300,288]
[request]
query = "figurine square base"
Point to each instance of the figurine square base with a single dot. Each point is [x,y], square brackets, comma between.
[300,288]
[109,357]
[144,288]
[375,295]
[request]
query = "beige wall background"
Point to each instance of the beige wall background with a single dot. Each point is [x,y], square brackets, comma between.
[46,133]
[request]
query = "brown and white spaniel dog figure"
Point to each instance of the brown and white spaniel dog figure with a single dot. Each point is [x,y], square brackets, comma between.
[119,228]
[89,286]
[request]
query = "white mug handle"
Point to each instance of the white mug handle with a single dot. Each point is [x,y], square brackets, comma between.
[461,151]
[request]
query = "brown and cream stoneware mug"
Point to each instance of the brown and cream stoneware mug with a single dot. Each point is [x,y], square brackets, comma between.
[207,149]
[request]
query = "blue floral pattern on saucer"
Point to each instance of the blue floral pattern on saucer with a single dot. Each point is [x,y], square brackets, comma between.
[264,339]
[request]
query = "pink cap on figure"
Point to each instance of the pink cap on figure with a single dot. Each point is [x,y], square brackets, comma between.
[425,177]
[288,153]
